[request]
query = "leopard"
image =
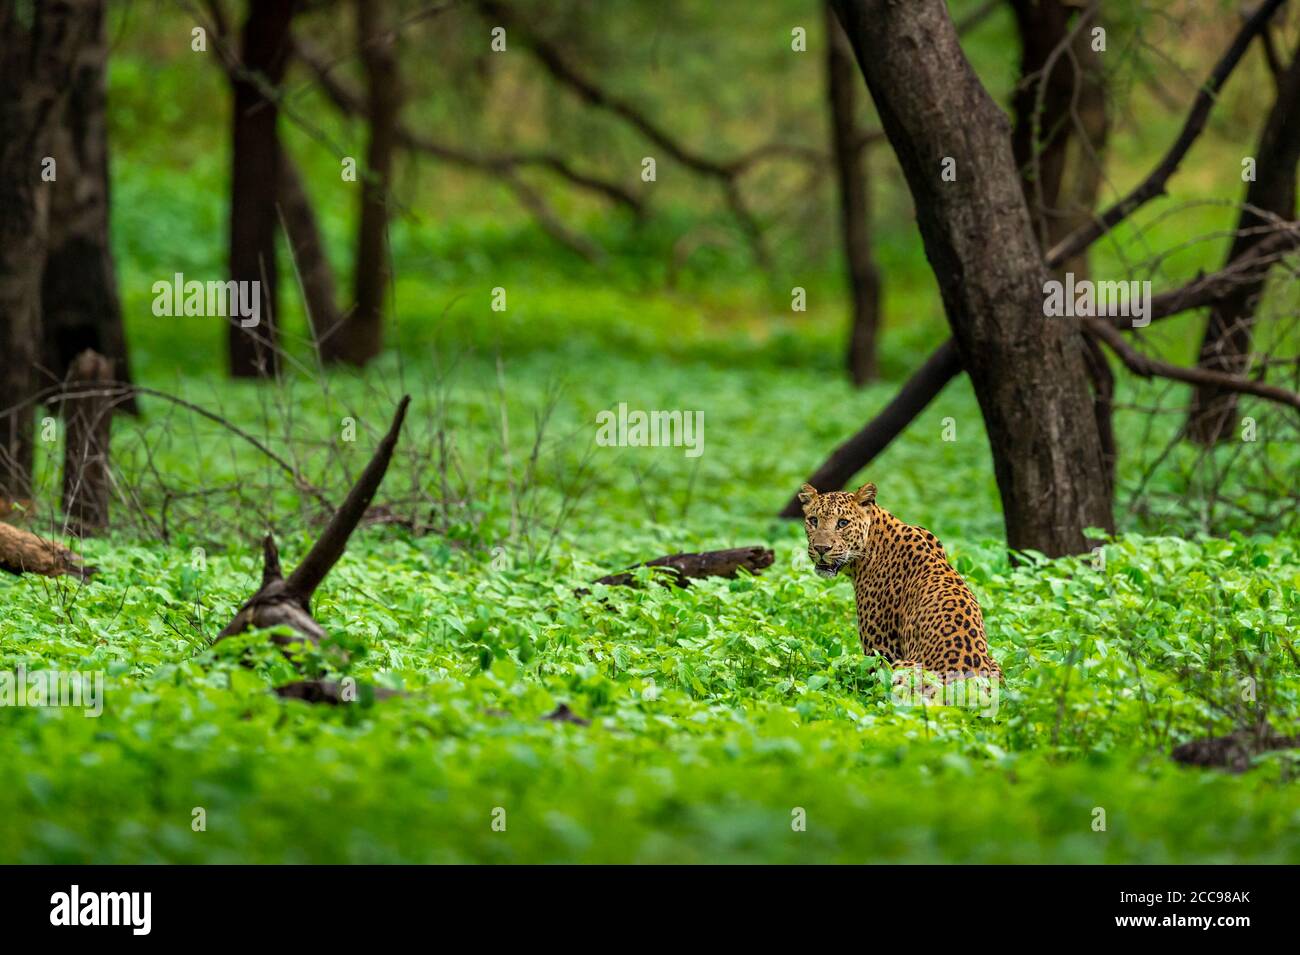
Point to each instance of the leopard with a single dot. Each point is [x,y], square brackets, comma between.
[914,610]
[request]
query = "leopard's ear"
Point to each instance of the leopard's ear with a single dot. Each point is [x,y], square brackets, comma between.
[807,494]
[865,495]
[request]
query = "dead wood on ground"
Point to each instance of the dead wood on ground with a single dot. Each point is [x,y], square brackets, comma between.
[286,601]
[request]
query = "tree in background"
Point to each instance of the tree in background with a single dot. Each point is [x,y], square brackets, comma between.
[1270,196]
[360,336]
[80,306]
[1028,372]
[1058,139]
[254,180]
[854,199]
[38,57]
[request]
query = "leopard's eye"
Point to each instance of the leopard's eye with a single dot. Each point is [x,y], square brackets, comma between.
[812,522]
[842,522]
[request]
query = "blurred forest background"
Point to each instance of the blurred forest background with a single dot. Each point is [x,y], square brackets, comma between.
[502,257]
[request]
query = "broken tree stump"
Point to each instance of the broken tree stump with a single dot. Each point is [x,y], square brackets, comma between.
[286,601]
[88,416]
[682,568]
[22,552]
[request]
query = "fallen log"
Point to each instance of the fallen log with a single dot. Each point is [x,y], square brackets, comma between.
[1232,752]
[328,691]
[22,552]
[286,601]
[682,568]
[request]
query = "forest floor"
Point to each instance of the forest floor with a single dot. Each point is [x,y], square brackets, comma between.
[733,721]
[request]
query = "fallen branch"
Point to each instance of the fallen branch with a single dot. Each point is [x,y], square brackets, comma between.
[22,552]
[682,568]
[286,601]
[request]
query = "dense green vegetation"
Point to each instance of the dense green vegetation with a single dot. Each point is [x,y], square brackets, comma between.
[716,713]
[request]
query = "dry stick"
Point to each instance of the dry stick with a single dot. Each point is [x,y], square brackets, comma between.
[120,390]
[926,383]
[1146,367]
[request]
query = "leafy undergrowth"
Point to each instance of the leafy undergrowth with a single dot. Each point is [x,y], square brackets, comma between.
[733,721]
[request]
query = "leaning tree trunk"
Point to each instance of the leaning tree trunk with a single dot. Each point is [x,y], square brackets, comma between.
[1226,344]
[255,169]
[307,247]
[37,57]
[846,146]
[361,335]
[1058,140]
[1027,370]
[79,300]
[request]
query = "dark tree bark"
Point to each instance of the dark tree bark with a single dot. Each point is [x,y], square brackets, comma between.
[38,53]
[1041,105]
[1226,344]
[1027,370]
[302,232]
[88,413]
[255,171]
[1058,140]
[855,227]
[1198,293]
[80,305]
[361,335]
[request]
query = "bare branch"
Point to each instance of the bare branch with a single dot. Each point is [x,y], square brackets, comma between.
[1147,367]
[1154,184]
[349,102]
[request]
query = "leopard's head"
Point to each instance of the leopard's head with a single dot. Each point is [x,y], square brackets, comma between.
[837,524]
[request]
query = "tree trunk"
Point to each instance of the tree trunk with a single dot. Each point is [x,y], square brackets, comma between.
[79,299]
[37,59]
[255,170]
[846,147]
[302,232]
[89,419]
[361,335]
[1226,344]
[1058,141]
[1027,370]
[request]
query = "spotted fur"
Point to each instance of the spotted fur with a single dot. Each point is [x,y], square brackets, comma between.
[914,609]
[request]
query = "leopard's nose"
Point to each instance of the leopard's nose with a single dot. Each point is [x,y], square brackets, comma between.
[821,548]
